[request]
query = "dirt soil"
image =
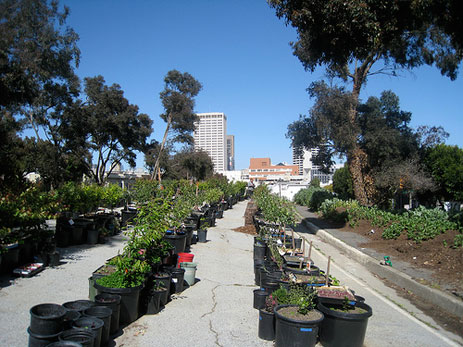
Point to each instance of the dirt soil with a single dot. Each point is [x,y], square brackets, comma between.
[436,255]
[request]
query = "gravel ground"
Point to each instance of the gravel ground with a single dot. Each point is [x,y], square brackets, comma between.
[66,282]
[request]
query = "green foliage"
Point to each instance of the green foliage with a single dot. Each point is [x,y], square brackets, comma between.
[112,195]
[315,182]
[312,197]
[420,224]
[275,209]
[445,163]
[342,183]
[458,241]
[300,295]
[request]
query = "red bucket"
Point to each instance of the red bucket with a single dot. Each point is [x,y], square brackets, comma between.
[185,257]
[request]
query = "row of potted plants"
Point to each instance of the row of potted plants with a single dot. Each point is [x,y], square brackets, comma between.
[299,304]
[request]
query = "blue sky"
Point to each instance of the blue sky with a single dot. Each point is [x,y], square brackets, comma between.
[239,50]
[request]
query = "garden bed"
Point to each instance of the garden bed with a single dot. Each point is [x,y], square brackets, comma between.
[435,255]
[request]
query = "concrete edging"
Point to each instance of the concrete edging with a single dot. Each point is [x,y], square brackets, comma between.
[431,295]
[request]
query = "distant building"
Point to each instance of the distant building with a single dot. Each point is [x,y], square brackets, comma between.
[230,152]
[209,135]
[304,160]
[262,169]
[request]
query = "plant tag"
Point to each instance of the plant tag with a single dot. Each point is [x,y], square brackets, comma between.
[175,280]
[71,222]
[260,317]
[306,329]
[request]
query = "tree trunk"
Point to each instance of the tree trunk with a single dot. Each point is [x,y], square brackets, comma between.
[156,164]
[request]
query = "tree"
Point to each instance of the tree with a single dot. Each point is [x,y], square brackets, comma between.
[349,37]
[114,128]
[196,165]
[178,101]
[445,164]
[380,132]
[342,183]
[36,50]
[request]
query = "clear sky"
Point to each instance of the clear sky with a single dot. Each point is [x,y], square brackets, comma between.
[239,50]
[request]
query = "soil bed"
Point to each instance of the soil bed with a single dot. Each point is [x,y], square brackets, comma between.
[291,312]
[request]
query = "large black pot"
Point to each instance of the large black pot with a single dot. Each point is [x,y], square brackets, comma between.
[47,319]
[113,301]
[177,240]
[85,337]
[266,325]
[294,333]
[260,251]
[343,328]
[78,305]
[103,313]
[165,278]
[93,324]
[129,301]
[259,298]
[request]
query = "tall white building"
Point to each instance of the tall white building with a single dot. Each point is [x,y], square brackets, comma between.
[304,160]
[210,136]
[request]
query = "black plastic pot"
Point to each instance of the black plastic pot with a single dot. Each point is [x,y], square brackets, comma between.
[314,270]
[259,298]
[92,236]
[77,232]
[65,344]
[294,333]
[165,278]
[178,241]
[266,325]
[259,251]
[202,235]
[113,301]
[92,324]
[47,319]
[103,313]
[177,280]
[78,305]
[129,301]
[343,328]
[69,319]
[127,216]
[154,300]
[10,259]
[37,340]
[85,337]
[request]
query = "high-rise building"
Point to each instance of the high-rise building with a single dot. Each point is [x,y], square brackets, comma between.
[304,160]
[230,152]
[209,135]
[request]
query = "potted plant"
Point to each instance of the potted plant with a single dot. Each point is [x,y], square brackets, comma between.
[267,315]
[345,323]
[296,319]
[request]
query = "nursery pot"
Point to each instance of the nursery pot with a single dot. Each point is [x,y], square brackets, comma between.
[10,259]
[77,232]
[103,313]
[259,298]
[291,332]
[184,257]
[129,301]
[92,236]
[154,300]
[69,319]
[190,272]
[202,235]
[343,328]
[177,280]
[165,278]
[37,340]
[93,324]
[78,305]
[47,319]
[65,344]
[178,241]
[84,337]
[259,251]
[113,301]
[266,325]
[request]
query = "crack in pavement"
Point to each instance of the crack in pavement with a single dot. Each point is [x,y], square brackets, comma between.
[214,301]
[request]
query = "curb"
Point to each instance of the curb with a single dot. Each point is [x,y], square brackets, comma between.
[431,295]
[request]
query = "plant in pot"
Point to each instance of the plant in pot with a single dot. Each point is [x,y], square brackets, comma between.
[267,315]
[296,319]
[127,281]
[202,231]
[345,322]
